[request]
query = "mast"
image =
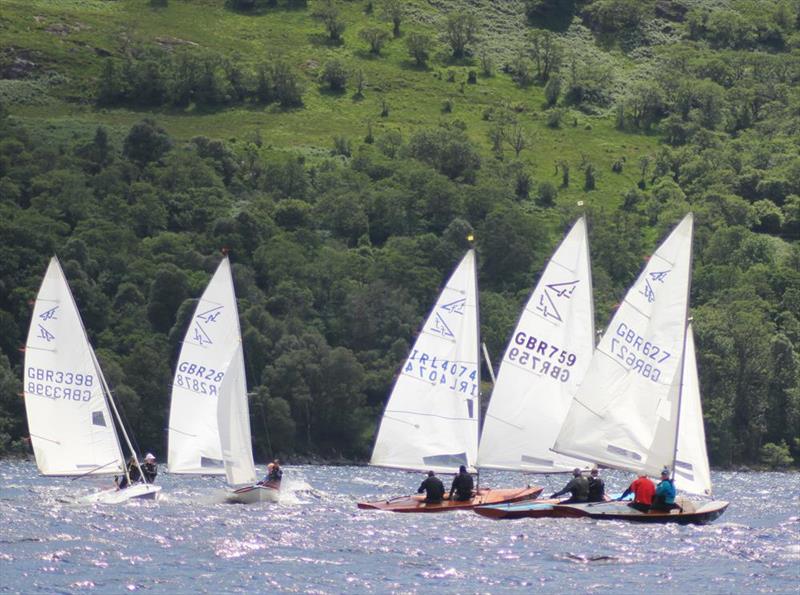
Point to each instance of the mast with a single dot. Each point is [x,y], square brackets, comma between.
[683,357]
[471,240]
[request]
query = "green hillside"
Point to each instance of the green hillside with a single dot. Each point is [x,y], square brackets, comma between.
[343,171]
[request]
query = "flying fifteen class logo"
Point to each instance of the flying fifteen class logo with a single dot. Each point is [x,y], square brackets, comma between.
[204,318]
[47,316]
[440,327]
[551,294]
[655,277]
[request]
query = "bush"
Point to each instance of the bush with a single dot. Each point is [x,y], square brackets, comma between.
[335,75]
[776,456]
[547,194]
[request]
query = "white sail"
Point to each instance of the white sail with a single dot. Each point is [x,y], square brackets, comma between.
[624,414]
[431,419]
[234,424]
[545,361]
[71,429]
[691,461]
[208,347]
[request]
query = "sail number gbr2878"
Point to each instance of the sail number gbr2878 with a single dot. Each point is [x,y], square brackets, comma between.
[543,358]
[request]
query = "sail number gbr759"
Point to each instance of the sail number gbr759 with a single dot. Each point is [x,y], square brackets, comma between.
[542,357]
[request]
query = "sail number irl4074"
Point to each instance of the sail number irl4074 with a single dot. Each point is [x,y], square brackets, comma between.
[542,357]
[457,377]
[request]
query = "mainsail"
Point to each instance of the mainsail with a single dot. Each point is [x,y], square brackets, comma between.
[431,418]
[208,350]
[234,424]
[625,413]
[691,460]
[545,362]
[71,429]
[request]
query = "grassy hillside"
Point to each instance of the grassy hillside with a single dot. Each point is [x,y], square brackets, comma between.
[68,42]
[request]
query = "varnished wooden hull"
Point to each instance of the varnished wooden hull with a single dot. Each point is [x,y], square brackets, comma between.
[535,509]
[484,496]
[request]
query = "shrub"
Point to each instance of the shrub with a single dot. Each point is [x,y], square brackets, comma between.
[335,75]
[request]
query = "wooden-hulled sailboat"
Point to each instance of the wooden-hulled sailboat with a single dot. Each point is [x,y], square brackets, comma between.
[431,420]
[68,403]
[638,408]
[209,422]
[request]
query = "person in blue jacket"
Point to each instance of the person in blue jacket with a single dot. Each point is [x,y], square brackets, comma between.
[664,499]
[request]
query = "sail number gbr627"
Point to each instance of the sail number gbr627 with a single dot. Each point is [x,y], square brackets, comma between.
[641,356]
[543,358]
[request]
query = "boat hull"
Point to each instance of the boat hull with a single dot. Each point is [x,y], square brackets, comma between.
[692,514]
[254,494]
[139,491]
[519,510]
[484,496]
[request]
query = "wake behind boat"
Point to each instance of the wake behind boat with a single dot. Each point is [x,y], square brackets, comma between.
[68,403]
[431,419]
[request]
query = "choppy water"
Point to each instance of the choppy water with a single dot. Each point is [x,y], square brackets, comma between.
[317,541]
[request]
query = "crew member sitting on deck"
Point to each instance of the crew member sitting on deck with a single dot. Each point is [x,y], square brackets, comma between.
[462,485]
[433,488]
[578,486]
[133,473]
[597,488]
[643,490]
[274,472]
[664,499]
[149,468]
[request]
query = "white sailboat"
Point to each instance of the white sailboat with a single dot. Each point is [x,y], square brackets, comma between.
[209,421]
[543,365]
[627,413]
[432,417]
[67,400]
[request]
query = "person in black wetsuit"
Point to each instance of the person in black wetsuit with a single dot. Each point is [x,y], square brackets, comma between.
[149,468]
[462,485]
[433,488]
[597,487]
[578,487]
[133,473]
[274,473]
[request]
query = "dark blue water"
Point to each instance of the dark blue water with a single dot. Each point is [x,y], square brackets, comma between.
[317,541]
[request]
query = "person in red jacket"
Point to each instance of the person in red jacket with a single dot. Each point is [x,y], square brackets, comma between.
[643,491]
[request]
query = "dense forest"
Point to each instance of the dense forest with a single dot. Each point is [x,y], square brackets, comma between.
[344,164]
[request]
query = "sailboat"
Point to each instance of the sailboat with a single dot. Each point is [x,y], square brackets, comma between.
[544,363]
[638,408]
[209,420]
[431,420]
[67,400]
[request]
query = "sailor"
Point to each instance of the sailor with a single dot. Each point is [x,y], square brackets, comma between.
[274,471]
[643,490]
[433,488]
[133,474]
[597,487]
[578,487]
[664,499]
[149,468]
[462,485]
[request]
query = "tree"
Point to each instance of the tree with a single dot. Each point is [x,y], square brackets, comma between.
[517,139]
[111,88]
[146,142]
[460,31]
[170,287]
[335,75]
[419,47]
[375,37]
[328,13]
[286,84]
[393,11]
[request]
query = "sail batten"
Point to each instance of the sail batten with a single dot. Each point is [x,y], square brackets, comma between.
[431,419]
[63,386]
[624,414]
[545,361]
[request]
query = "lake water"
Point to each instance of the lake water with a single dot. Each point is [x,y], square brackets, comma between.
[317,541]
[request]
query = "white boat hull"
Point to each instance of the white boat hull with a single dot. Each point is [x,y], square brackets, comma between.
[140,491]
[255,494]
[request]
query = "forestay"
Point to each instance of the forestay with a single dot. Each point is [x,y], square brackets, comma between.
[431,418]
[234,424]
[624,414]
[692,473]
[544,363]
[71,429]
[208,348]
